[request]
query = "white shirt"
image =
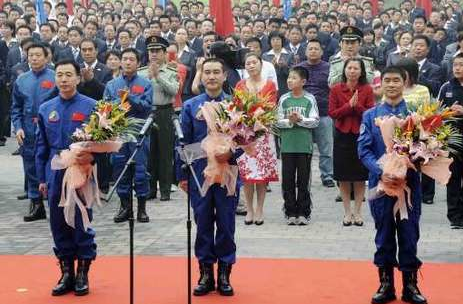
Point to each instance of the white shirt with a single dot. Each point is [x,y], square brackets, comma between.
[277,57]
[420,63]
[268,72]
[92,66]
[185,49]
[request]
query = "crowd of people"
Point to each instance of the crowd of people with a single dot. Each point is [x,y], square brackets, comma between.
[324,66]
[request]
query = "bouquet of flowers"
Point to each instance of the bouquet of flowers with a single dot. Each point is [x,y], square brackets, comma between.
[420,141]
[234,123]
[107,128]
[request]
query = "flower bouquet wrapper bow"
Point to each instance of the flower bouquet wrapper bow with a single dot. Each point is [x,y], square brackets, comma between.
[217,143]
[80,183]
[394,165]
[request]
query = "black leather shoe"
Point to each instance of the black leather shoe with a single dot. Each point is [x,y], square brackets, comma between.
[36,211]
[142,217]
[410,291]
[206,282]
[16,152]
[165,197]
[428,201]
[386,291]
[66,282]
[22,197]
[123,214]
[81,287]
[223,279]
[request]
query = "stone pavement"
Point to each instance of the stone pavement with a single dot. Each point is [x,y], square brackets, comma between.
[323,238]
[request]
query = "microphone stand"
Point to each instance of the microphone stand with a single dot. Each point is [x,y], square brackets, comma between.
[188,168]
[130,167]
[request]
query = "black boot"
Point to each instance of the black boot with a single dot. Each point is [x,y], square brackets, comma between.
[123,214]
[223,279]
[386,291]
[81,286]
[142,217]
[410,292]
[206,282]
[66,282]
[36,211]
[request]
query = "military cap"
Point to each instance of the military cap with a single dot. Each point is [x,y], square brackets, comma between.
[156,43]
[351,33]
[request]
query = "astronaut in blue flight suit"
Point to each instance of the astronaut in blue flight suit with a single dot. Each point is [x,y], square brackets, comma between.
[215,208]
[140,98]
[58,118]
[370,148]
[30,90]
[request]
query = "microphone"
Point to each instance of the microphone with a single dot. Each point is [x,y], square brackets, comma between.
[178,128]
[149,121]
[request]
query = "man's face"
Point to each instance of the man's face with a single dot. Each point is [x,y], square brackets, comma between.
[274,26]
[393,85]
[13,16]
[396,17]
[129,63]
[63,34]
[295,81]
[458,68]
[254,47]
[74,38]
[90,31]
[46,34]
[62,20]
[88,52]
[325,27]
[165,24]
[157,55]
[174,23]
[213,76]
[311,33]
[419,49]
[191,29]
[109,32]
[124,39]
[311,19]
[314,52]
[246,33]
[350,47]
[66,78]
[36,58]
[132,28]
[206,26]
[418,25]
[259,28]
[207,42]
[61,10]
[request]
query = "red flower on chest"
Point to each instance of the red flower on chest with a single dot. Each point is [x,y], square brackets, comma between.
[77,116]
[136,89]
[47,84]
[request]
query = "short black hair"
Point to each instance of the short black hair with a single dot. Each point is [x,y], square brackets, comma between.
[302,72]
[133,51]
[254,39]
[23,27]
[77,29]
[410,66]
[112,52]
[92,41]
[39,45]
[422,37]
[215,59]
[394,70]
[276,34]
[71,62]
[315,40]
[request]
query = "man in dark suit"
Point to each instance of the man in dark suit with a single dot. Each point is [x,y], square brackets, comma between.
[138,41]
[72,51]
[258,29]
[4,102]
[295,45]
[90,31]
[188,58]
[194,42]
[430,75]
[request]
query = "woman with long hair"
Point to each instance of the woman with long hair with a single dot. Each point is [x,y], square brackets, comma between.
[347,102]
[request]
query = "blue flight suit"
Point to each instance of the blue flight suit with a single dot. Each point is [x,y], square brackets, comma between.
[370,149]
[30,90]
[58,119]
[215,207]
[140,98]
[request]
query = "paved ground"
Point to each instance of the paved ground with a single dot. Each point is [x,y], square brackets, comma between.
[324,238]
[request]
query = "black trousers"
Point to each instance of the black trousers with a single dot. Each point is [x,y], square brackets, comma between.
[296,174]
[428,187]
[105,171]
[5,105]
[454,192]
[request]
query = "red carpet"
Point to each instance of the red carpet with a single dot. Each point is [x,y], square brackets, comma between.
[159,280]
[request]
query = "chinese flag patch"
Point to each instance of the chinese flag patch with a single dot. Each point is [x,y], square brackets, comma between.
[136,89]
[47,84]
[77,116]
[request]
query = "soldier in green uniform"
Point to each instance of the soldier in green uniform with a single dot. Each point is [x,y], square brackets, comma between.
[165,83]
[351,37]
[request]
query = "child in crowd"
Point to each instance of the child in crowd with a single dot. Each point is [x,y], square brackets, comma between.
[297,115]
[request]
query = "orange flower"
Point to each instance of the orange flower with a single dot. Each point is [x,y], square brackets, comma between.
[409,125]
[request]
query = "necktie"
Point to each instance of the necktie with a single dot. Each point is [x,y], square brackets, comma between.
[75,53]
